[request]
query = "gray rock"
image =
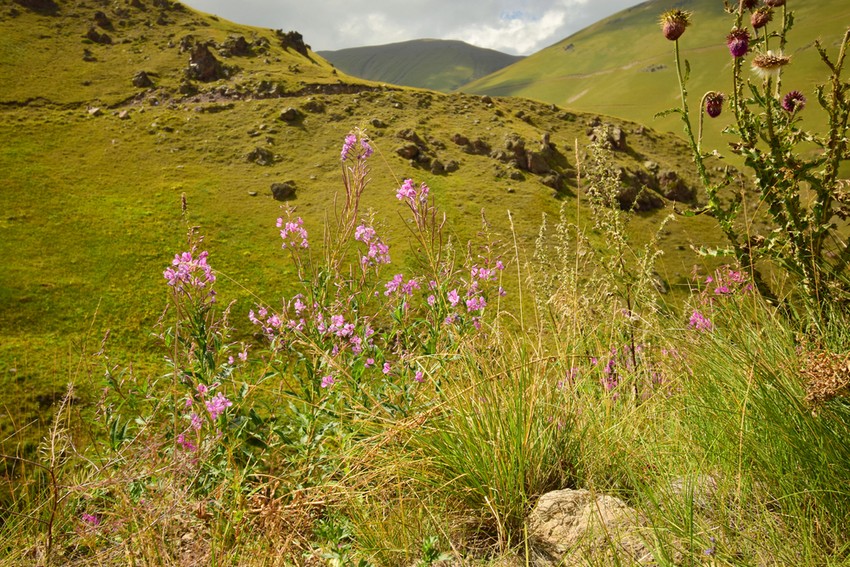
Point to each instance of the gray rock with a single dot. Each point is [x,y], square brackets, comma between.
[289,115]
[284,191]
[261,156]
[408,151]
[568,527]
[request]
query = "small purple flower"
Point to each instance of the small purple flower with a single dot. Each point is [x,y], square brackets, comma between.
[793,102]
[453,298]
[347,146]
[407,191]
[699,322]
[195,422]
[378,253]
[185,443]
[217,405]
[293,233]
[328,381]
[91,519]
[386,369]
[738,42]
[188,271]
[419,377]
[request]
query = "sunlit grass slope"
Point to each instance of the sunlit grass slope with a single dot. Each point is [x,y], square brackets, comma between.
[623,66]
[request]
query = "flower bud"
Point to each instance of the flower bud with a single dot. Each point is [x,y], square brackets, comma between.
[761,17]
[774,3]
[714,103]
[674,22]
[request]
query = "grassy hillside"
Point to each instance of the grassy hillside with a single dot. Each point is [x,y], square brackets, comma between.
[95,168]
[441,65]
[623,66]
[276,404]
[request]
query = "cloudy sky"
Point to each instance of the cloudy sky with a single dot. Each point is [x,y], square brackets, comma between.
[519,27]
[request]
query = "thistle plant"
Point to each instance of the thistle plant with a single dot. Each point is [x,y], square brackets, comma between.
[799,192]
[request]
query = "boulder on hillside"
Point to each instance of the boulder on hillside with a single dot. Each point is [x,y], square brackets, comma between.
[289,114]
[285,191]
[608,135]
[142,80]
[261,156]
[98,37]
[674,187]
[408,151]
[101,20]
[203,66]
[568,527]
[314,105]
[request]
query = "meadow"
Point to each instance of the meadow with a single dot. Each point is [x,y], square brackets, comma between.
[393,367]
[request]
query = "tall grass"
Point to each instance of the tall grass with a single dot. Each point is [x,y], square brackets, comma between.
[398,416]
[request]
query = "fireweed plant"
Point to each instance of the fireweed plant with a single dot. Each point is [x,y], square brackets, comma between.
[360,330]
[800,192]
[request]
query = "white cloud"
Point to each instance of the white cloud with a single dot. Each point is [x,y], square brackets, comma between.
[518,33]
[512,26]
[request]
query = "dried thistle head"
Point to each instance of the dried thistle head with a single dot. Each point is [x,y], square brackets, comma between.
[769,64]
[827,374]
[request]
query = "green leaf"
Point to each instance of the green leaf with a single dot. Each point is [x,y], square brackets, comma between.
[667,112]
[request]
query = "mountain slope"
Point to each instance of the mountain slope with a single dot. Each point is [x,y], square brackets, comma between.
[623,66]
[441,65]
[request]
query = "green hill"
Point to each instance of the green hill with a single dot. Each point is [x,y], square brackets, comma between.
[440,65]
[95,167]
[623,66]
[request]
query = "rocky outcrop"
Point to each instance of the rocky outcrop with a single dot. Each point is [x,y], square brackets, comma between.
[568,527]
[203,66]
[293,40]
[235,46]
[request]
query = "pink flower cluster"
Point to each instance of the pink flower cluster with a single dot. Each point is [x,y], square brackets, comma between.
[188,271]
[409,194]
[378,253]
[397,285]
[699,322]
[217,405]
[293,233]
[348,147]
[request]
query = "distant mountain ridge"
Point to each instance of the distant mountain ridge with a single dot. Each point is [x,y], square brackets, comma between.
[437,64]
